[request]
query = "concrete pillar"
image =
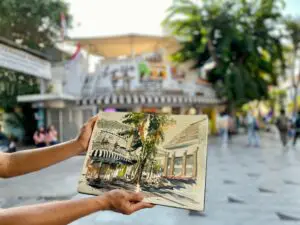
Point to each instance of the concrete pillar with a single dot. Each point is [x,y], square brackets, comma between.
[78,119]
[195,164]
[94,110]
[166,164]
[42,86]
[137,109]
[70,115]
[49,121]
[199,111]
[182,110]
[183,171]
[61,126]
[171,172]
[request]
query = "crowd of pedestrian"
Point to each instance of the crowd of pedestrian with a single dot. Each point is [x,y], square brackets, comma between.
[45,137]
[288,128]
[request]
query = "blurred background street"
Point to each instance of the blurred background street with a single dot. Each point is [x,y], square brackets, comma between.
[235,61]
[244,186]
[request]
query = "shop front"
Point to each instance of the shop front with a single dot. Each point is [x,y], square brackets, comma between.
[30,63]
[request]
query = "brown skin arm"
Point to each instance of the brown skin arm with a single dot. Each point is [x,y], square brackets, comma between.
[19,163]
[64,212]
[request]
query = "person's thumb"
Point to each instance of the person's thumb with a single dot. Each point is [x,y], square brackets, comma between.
[141,205]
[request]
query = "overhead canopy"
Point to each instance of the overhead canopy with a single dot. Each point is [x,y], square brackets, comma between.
[129,44]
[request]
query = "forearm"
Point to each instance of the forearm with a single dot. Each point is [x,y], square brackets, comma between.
[56,213]
[33,160]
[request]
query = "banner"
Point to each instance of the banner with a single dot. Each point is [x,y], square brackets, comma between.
[21,61]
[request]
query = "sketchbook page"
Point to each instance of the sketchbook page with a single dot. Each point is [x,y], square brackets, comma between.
[163,156]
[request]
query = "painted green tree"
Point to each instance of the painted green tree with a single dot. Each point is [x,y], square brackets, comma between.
[147,134]
[240,36]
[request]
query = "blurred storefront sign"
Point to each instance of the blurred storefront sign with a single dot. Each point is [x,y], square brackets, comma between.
[110,110]
[150,110]
[21,61]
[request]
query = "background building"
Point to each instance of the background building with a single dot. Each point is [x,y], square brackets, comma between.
[135,75]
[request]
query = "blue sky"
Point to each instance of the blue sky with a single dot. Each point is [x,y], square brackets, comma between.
[113,17]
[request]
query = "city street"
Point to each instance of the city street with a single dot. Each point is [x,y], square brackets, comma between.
[244,186]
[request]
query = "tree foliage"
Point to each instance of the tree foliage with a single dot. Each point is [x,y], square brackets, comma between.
[292,26]
[239,35]
[12,84]
[34,24]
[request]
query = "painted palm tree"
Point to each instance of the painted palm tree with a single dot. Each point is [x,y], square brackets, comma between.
[148,133]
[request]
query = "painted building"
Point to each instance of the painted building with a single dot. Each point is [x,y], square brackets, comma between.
[110,155]
[181,153]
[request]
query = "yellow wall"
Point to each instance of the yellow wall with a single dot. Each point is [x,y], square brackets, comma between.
[211,112]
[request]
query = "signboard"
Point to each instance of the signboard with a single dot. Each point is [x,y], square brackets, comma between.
[152,71]
[119,75]
[24,62]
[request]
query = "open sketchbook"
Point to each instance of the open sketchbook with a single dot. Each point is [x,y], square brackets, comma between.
[163,156]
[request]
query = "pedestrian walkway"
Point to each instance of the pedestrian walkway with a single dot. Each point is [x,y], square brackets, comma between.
[244,186]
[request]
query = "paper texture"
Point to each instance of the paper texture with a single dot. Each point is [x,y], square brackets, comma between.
[163,156]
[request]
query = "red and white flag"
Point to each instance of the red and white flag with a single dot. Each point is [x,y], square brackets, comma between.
[76,70]
[77,51]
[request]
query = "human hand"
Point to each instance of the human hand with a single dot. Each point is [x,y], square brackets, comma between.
[125,202]
[85,133]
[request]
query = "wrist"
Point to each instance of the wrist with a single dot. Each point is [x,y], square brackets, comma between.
[103,202]
[78,147]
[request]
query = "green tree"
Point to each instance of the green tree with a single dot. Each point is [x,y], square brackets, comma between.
[13,84]
[34,24]
[292,26]
[147,134]
[239,36]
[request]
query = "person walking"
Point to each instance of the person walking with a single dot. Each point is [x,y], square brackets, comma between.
[223,124]
[51,136]
[282,124]
[39,138]
[253,127]
[297,129]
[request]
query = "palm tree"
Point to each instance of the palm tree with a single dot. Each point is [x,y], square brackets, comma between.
[239,36]
[148,133]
